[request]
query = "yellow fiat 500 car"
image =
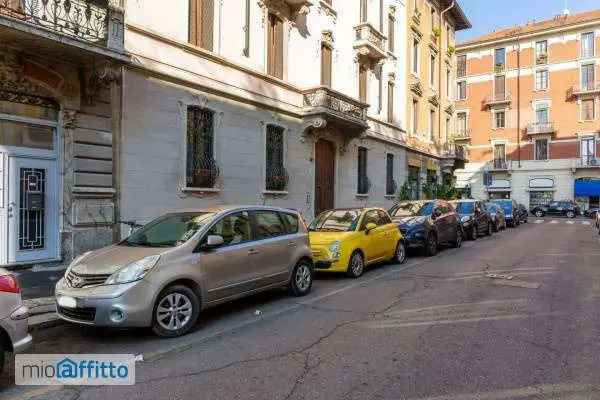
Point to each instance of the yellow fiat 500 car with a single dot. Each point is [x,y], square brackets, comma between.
[346,240]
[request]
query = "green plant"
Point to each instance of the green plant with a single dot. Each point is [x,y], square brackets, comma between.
[404,192]
[430,190]
[437,32]
[451,50]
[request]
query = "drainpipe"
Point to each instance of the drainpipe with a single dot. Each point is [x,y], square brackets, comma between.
[518,97]
[440,69]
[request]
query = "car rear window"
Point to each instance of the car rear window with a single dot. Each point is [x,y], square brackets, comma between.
[291,222]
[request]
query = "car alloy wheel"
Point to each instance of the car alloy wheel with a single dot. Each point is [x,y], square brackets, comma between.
[357,265]
[176,311]
[570,214]
[400,255]
[302,279]
[459,238]
[539,214]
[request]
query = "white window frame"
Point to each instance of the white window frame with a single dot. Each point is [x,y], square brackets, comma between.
[458,82]
[584,64]
[496,111]
[581,119]
[415,56]
[497,142]
[494,60]
[548,105]
[431,123]
[535,81]
[466,113]
[433,60]
[536,54]
[581,55]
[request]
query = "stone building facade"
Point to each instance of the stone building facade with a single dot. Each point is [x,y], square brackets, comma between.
[59,67]
[528,108]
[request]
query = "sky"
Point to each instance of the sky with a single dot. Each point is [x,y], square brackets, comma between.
[489,15]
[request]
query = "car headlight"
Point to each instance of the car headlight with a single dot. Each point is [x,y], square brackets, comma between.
[465,219]
[133,272]
[335,250]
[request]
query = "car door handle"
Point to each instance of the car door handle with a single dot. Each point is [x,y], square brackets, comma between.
[252,252]
[292,244]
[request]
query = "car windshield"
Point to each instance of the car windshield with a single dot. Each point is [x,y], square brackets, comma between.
[408,209]
[465,207]
[505,204]
[336,221]
[426,209]
[169,230]
[491,207]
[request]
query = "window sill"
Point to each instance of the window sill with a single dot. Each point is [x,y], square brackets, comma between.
[390,196]
[275,192]
[362,196]
[200,190]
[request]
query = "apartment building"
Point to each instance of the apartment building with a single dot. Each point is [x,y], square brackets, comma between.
[528,109]
[59,110]
[431,76]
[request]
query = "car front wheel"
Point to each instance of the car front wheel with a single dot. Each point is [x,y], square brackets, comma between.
[356,266]
[539,213]
[176,311]
[474,233]
[570,214]
[431,247]
[459,238]
[302,279]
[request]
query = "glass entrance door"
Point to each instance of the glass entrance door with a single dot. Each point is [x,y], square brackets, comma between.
[32,208]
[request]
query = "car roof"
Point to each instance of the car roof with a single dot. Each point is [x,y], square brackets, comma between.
[227,208]
[464,201]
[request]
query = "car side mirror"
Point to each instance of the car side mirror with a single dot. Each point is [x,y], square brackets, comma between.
[370,226]
[213,241]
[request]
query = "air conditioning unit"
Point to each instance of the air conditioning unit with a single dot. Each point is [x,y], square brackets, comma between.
[593,161]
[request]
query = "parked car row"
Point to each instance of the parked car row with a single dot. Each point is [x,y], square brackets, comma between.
[567,208]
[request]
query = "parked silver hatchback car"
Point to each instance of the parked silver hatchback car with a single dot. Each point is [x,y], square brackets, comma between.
[14,332]
[165,273]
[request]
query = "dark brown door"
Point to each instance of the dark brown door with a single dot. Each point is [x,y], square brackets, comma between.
[324,176]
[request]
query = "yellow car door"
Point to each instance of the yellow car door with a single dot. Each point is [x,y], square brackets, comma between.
[374,239]
[391,237]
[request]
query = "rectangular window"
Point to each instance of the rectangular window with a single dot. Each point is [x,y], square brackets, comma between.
[415,117]
[541,80]
[588,150]
[362,83]
[587,77]
[461,66]
[432,71]
[415,56]
[390,102]
[500,119]
[499,87]
[541,149]
[201,169]
[275,47]
[431,125]
[587,45]
[390,184]
[588,109]
[414,182]
[500,156]
[461,124]
[541,52]
[276,175]
[499,60]
[462,90]
[542,113]
[363,184]
[391,33]
[363,11]
[201,24]
[448,82]
[326,62]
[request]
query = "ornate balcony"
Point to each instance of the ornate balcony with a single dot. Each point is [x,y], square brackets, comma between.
[370,42]
[587,88]
[453,156]
[91,25]
[497,99]
[292,9]
[462,134]
[588,162]
[499,165]
[323,106]
[538,128]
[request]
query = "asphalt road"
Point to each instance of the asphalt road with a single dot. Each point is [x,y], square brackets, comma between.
[434,328]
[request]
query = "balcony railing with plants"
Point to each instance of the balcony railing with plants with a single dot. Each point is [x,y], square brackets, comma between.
[462,134]
[87,20]
[535,128]
[584,88]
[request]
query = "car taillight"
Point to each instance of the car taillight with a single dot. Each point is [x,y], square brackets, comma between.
[9,284]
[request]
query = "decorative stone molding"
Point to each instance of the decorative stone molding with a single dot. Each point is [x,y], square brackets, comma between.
[101,77]
[69,119]
[449,109]
[287,9]
[392,77]
[416,88]
[434,100]
[323,97]
[369,42]
[327,38]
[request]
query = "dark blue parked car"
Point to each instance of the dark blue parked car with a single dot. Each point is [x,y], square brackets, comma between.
[511,212]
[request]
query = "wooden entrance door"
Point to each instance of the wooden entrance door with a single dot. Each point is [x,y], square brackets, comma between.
[324,176]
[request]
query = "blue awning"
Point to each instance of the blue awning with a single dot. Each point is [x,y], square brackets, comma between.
[587,188]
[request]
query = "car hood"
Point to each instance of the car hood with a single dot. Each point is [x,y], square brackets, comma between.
[411,222]
[110,259]
[325,238]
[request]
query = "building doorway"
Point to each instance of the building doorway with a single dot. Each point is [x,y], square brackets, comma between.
[324,176]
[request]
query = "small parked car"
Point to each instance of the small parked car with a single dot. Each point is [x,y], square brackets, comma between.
[14,331]
[428,224]
[511,211]
[523,213]
[349,239]
[566,208]
[497,215]
[165,273]
[474,218]
[591,212]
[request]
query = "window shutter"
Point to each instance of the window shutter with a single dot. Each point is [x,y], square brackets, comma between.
[390,102]
[207,24]
[193,22]
[362,83]
[326,63]
[363,10]
[391,33]
[279,48]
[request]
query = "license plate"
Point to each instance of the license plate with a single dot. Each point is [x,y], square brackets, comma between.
[67,302]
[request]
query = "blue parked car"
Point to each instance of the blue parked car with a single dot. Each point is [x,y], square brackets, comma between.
[512,214]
